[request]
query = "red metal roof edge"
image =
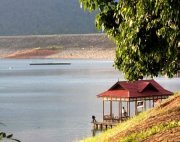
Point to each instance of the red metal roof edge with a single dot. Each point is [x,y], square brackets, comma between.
[152,82]
[113,93]
[148,84]
[113,86]
[143,86]
[160,88]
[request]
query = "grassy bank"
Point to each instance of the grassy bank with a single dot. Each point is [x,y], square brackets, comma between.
[159,123]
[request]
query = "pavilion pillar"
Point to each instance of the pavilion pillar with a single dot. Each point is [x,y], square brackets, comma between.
[144,104]
[129,108]
[136,107]
[153,101]
[120,109]
[111,107]
[103,109]
[149,103]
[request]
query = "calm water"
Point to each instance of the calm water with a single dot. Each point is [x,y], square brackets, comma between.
[55,103]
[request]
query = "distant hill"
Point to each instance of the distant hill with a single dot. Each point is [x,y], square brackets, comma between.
[42,17]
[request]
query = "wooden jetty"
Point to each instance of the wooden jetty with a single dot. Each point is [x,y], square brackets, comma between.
[103,125]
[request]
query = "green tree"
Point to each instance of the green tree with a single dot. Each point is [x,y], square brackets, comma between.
[146,33]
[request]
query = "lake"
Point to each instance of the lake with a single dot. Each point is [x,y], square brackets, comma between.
[54,103]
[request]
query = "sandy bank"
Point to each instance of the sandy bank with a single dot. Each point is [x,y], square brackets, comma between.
[63,54]
[88,46]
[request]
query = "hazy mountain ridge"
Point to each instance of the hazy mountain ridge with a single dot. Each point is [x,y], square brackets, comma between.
[29,17]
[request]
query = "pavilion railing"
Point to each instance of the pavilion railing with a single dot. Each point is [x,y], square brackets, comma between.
[109,118]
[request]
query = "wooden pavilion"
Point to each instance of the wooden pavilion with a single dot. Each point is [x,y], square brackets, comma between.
[133,95]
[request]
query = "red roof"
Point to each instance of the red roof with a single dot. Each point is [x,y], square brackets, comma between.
[135,89]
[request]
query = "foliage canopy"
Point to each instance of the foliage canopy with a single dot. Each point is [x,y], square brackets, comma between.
[146,33]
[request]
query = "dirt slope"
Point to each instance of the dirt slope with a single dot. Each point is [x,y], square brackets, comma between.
[164,113]
[160,124]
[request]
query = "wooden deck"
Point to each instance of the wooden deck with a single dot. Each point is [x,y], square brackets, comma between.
[103,125]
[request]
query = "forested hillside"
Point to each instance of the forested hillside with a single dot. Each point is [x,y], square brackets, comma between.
[37,17]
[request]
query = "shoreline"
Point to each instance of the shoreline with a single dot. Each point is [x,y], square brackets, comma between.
[82,46]
[61,54]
